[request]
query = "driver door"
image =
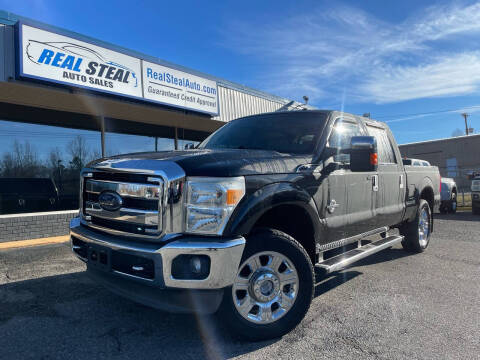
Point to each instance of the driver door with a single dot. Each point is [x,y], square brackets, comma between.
[358,187]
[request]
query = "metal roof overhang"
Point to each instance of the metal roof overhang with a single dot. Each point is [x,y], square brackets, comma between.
[90,104]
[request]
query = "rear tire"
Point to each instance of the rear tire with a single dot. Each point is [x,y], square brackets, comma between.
[417,232]
[273,288]
[475,210]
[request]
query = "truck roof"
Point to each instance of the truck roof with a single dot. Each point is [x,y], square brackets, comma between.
[321,111]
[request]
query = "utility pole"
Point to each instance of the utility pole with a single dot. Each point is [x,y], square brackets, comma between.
[465,115]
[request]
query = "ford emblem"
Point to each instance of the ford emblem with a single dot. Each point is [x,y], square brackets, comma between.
[110,201]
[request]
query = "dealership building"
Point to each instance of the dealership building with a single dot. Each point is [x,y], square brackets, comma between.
[66,99]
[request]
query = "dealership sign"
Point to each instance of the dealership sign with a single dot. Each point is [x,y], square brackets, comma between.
[53,57]
[175,87]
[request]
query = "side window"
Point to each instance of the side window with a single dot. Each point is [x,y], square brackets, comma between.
[341,137]
[386,154]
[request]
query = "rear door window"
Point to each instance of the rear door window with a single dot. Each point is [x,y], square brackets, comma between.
[386,154]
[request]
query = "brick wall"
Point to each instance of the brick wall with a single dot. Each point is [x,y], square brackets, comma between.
[35,225]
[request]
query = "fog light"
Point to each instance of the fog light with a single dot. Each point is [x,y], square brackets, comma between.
[196,264]
[191,267]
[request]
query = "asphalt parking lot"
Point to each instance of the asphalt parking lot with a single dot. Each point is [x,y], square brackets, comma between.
[392,305]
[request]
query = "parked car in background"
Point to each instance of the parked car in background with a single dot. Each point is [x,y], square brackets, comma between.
[415,162]
[24,195]
[476,196]
[448,194]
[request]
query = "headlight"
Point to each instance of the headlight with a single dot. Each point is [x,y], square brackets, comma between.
[210,202]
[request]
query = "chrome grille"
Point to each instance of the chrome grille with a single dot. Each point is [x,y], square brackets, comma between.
[134,190]
[141,207]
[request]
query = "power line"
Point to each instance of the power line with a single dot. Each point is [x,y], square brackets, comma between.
[428,113]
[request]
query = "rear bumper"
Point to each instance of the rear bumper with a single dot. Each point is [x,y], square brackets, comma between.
[142,271]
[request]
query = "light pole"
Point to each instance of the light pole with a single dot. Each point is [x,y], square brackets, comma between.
[465,115]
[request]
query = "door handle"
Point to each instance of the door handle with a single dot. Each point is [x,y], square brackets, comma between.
[375,182]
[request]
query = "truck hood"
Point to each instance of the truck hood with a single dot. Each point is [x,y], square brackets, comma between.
[207,162]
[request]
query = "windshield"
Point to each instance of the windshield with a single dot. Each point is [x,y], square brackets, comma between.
[294,133]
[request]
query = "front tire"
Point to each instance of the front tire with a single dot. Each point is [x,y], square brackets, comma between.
[417,232]
[453,203]
[273,288]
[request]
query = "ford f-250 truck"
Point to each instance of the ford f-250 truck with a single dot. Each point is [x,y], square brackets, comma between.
[238,224]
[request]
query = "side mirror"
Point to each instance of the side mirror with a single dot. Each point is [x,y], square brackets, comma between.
[363,153]
[189,146]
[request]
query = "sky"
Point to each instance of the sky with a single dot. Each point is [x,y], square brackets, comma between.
[412,64]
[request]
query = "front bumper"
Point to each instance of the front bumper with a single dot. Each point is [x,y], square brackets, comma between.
[123,264]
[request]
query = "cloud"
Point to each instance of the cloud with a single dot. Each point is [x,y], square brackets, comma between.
[326,52]
[447,76]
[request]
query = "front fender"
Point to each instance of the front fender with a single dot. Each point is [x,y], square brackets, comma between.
[251,209]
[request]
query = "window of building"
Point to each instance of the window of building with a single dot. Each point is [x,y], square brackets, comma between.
[183,143]
[40,166]
[116,143]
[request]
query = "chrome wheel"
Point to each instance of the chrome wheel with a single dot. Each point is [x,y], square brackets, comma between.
[423,227]
[265,288]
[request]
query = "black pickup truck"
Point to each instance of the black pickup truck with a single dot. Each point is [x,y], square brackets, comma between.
[237,225]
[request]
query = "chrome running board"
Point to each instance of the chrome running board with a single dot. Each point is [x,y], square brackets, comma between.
[350,240]
[340,261]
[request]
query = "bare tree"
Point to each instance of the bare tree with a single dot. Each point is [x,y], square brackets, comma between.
[77,148]
[55,166]
[22,161]
[95,154]
[54,158]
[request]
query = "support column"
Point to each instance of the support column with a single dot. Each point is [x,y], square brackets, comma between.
[156,143]
[102,128]
[176,138]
